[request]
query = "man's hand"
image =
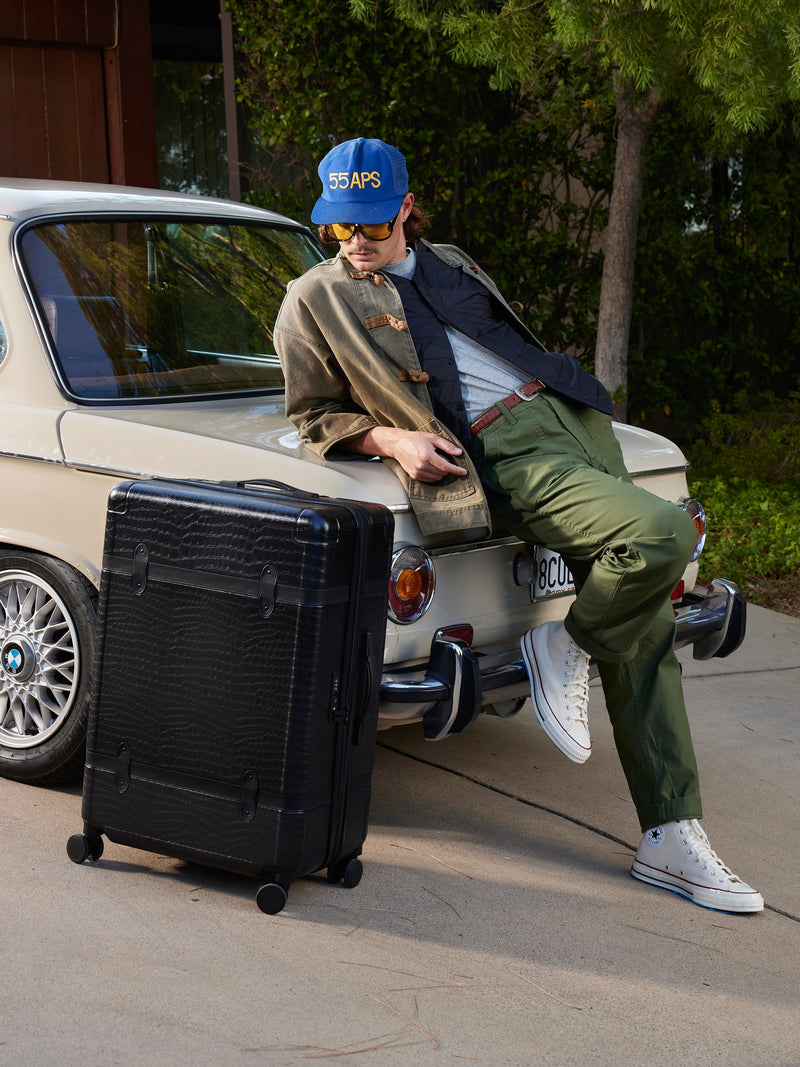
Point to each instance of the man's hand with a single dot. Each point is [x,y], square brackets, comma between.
[423,456]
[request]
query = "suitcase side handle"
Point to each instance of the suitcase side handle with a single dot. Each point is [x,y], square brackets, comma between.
[270,483]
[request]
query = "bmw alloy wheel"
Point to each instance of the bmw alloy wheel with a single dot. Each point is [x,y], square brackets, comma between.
[46,645]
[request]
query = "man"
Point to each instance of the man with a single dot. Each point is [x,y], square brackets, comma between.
[405,350]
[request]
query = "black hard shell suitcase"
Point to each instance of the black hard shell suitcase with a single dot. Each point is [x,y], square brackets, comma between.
[236,681]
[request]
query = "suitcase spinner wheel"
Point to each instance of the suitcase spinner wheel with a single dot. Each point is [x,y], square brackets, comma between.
[82,847]
[348,871]
[272,896]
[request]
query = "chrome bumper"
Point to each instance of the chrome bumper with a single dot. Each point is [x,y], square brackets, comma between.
[458,682]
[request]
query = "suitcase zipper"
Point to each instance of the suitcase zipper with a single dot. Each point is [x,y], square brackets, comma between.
[347,727]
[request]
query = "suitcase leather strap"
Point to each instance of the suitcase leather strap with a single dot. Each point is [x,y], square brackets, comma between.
[267,589]
[249,794]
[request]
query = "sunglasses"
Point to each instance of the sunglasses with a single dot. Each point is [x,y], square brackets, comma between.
[373,231]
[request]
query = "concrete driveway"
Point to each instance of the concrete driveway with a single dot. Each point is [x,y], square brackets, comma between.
[496,922]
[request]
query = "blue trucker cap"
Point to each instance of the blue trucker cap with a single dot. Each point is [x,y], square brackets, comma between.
[363,180]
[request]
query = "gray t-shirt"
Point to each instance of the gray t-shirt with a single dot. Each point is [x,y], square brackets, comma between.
[485,377]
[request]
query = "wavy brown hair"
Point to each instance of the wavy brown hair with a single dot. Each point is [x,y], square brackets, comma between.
[413,227]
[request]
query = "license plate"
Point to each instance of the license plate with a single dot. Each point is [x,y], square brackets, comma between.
[552,576]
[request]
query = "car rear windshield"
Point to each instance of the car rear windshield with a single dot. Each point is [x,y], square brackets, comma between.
[158,308]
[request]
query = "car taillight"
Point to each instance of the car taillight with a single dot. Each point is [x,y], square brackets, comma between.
[696,512]
[411,584]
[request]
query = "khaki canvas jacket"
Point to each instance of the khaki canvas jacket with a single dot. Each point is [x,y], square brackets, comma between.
[350,364]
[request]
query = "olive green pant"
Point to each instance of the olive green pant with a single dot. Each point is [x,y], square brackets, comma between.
[555,476]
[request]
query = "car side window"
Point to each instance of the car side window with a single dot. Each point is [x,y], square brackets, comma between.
[172,307]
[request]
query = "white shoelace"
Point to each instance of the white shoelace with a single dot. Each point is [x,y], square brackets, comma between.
[700,850]
[576,679]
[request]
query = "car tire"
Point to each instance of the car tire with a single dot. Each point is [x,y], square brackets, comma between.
[47,638]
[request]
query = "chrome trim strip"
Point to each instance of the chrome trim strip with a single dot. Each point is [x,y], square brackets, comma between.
[682,469]
[34,459]
[458,664]
[91,468]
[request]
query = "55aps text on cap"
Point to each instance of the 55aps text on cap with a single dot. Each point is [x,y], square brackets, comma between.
[363,180]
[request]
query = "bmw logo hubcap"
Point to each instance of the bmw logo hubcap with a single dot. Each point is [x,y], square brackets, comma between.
[18,660]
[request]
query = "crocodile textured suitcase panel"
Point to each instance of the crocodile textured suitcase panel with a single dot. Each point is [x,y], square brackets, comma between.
[240,642]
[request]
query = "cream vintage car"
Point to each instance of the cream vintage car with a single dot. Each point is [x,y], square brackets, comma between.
[135,340]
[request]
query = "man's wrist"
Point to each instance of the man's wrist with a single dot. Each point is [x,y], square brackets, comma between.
[369,443]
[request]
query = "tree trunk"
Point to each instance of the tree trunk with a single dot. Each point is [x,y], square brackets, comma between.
[634,119]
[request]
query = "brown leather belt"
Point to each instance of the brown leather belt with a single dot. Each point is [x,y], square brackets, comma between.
[525,392]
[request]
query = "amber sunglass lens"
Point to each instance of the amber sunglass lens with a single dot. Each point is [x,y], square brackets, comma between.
[378,231]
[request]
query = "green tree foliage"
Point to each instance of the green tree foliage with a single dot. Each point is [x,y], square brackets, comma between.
[718,286]
[733,63]
[747,472]
[524,189]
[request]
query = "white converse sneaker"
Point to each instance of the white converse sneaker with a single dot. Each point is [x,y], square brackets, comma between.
[559,673]
[678,856]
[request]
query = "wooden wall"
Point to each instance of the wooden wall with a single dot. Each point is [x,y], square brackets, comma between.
[76,91]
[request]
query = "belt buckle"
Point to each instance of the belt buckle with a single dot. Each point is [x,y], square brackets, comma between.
[524,396]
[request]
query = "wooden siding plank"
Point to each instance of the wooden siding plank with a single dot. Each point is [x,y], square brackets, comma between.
[31,115]
[12,22]
[71,22]
[8,133]
[40,20]
[101,22]
[92,139]
[60,109]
